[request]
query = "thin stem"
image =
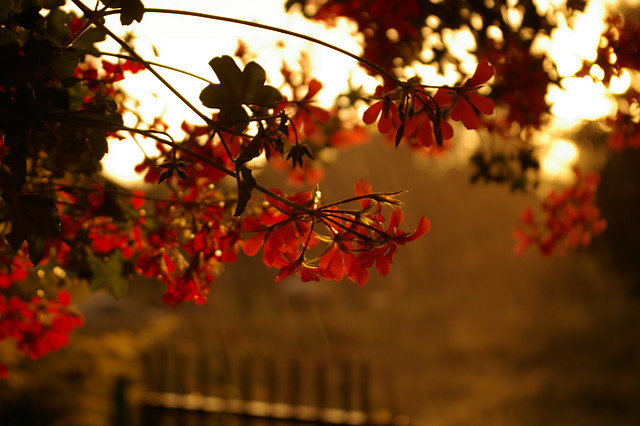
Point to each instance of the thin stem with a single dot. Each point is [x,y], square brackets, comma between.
[355,222]
[96,19]
[361,197]
[68,44]
[301,258]
[99,22]
[226,146]
[122,193]
[363,237]
[358,58]
[155,64]
[223,169]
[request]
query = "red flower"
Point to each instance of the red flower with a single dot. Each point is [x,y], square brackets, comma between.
[420,130]
[17,271]
[467,104]
[132,66]
[38,326]
[571,219]
[626,129]
[387,110]
[76,24]
[354,240]
[306,113]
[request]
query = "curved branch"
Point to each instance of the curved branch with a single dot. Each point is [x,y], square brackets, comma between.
[155,64]
[97,20]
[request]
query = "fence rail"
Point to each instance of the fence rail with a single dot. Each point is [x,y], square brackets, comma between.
[275,411]
[260,390]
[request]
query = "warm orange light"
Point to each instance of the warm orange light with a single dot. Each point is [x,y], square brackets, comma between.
[199,40]
[559,157]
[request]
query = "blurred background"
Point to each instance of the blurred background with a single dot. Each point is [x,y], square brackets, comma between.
[461,332]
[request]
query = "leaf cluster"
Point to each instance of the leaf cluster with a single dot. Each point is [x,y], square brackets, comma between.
[519,169]
[48,127]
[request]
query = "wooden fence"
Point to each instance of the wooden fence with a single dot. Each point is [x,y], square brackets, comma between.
[192,389]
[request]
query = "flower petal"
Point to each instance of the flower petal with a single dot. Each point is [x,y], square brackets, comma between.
[483,73]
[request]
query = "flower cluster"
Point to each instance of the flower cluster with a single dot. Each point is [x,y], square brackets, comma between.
[571,219]
[625,125]
[16,271]
[39,325]
[521,85]
[329,241]
[100,80]
[59,108]
[411,113]
[188,246]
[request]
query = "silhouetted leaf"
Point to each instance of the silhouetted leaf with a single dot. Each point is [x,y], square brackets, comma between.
[437,125]
[297,153]
[399,133]
[17,166]
[246,183]
[238,88]
[35,220]
[250,151]
[52,4]
[131,10]
[29,17]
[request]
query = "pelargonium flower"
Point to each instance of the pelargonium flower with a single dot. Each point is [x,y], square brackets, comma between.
[467,104]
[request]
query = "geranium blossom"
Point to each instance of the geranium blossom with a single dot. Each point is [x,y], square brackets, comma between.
[410,112]
[570,219]
[467,104]
[352,241]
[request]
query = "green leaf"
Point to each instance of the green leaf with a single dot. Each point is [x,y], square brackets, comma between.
[107,273]
[57,28]
[98,143]
[35,219]
[227,71]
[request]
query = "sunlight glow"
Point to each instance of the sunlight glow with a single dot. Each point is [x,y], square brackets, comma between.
[119,162]
[579,99]
[620,84]
[199,40]
[570,45]
[560,155]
